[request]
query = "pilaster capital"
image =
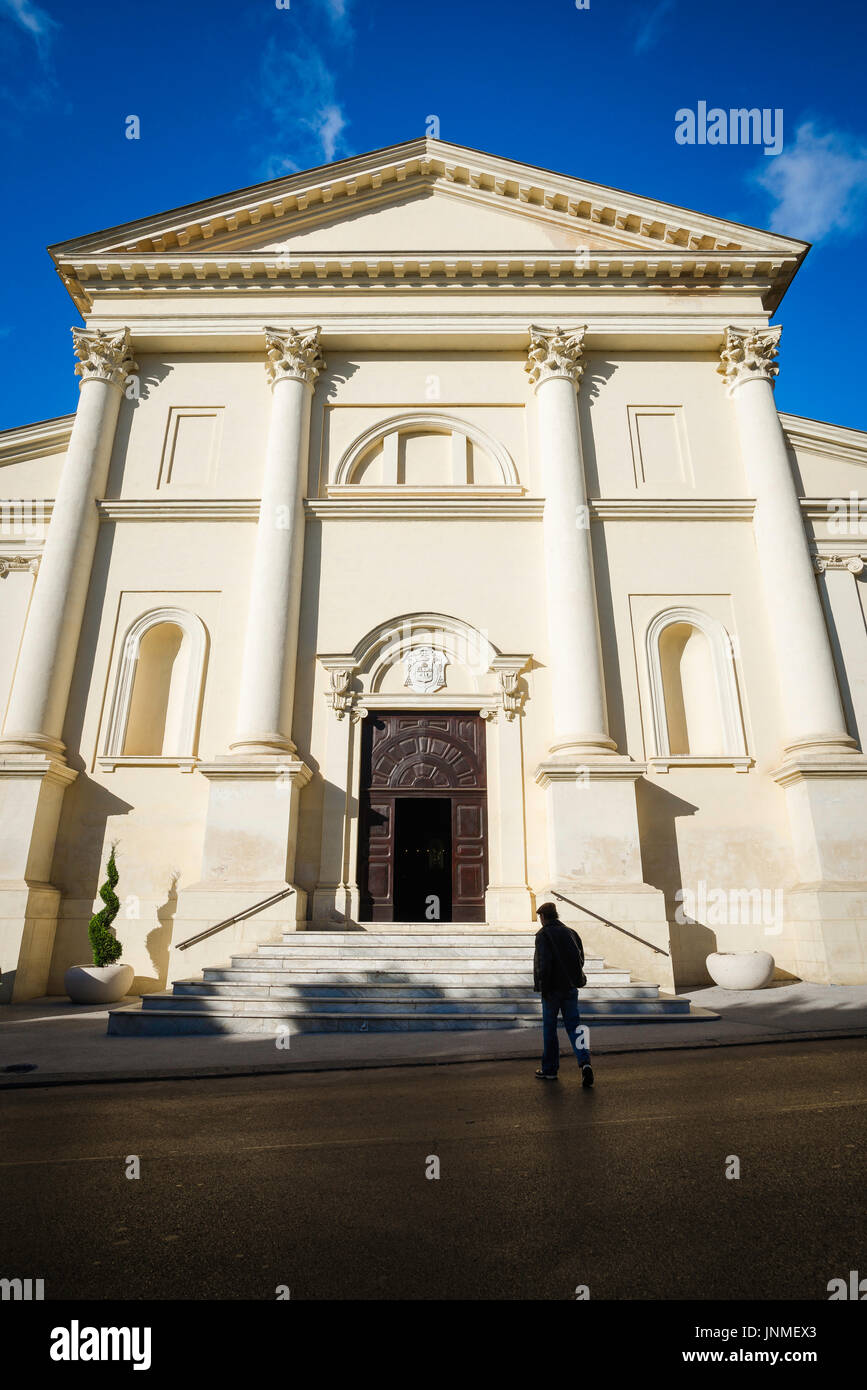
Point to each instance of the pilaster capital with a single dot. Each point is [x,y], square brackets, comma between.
[749,354]
[293,355]
[555,352]
[853,563]
[103,356]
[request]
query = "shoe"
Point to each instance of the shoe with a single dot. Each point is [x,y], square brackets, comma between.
[587,1074]
[546,1075]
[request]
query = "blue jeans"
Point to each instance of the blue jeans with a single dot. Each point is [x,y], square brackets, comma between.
[552,1006]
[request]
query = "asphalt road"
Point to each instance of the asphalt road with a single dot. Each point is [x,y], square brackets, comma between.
[317,1182]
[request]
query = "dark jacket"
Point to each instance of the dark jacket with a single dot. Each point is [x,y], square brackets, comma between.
[559,959]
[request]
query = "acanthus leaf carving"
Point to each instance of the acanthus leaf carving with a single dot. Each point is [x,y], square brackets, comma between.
[293,354]
[749,354]
[555,352]
[103,356]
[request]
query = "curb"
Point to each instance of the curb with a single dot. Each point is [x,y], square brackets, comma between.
[55,1079]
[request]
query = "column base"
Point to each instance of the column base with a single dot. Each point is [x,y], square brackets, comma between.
[32,787]
[594,862]
[826,800]
[262,746]
[511,906]
[335,906]
[825,940]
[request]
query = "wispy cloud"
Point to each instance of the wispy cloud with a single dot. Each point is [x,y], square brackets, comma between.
[648,32]
[299,92]
[818,183]
[35,22]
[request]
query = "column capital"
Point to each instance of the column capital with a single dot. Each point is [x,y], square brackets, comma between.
[555,352]
[749,354]
[293,354]
[103,356]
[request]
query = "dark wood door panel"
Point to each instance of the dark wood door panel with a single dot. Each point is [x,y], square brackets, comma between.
[425,756]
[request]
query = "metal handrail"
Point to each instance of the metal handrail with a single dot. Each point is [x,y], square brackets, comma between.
[658,949]
[238,917]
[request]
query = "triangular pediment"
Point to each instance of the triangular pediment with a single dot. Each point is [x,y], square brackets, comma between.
[425,195]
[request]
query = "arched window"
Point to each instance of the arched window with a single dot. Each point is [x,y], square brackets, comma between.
[696,711]
[155,711]
[430,452]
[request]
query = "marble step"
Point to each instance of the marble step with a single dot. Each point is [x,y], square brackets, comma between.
[397,951]
[139,1022]
[636,989]
[364,1008]
[255,973]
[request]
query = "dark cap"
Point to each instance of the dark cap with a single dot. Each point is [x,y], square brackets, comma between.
[546,911]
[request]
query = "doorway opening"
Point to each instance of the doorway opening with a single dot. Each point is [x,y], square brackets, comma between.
[423,859]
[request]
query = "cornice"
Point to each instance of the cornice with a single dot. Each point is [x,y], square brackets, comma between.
[671,509]
[402,503]
[419,508]
[667,268]
[34,441]
[836,441]
[824,508]
[179,509]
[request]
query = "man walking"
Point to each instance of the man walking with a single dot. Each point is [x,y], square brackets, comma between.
[558,971]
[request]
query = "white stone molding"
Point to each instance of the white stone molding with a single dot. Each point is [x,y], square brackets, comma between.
[853,563]
[293,354]
[103,356]
[389,643]
[435,422]
[195,634]
[726,687]
[404,503]
[749,354]
[10,563]
[555,352]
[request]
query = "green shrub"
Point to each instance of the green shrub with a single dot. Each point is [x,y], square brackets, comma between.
[104,944]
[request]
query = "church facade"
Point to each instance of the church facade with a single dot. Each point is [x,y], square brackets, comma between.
[427,542]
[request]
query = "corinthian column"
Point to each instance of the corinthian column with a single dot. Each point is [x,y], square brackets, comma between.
[37,709]
[33,771]
[268,670]
[580,721]
[813,718]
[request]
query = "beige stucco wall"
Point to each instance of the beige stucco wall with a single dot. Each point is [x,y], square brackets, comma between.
[716,825]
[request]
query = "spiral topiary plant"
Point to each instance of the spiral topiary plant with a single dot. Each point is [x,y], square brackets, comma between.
[104,944]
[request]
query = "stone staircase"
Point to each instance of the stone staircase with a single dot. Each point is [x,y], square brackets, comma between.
[397,979]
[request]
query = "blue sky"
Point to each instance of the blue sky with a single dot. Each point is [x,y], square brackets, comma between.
[230,94]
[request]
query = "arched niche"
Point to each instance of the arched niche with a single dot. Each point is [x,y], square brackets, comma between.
[158,689]
[694,695]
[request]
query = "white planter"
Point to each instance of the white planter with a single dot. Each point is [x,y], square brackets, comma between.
[98,984]
[740,969]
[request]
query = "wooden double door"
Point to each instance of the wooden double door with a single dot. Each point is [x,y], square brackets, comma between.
[423,833]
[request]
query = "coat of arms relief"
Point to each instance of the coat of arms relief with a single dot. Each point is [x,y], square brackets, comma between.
[425,670]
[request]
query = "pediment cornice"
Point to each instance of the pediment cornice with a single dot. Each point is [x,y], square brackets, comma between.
[212,236]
